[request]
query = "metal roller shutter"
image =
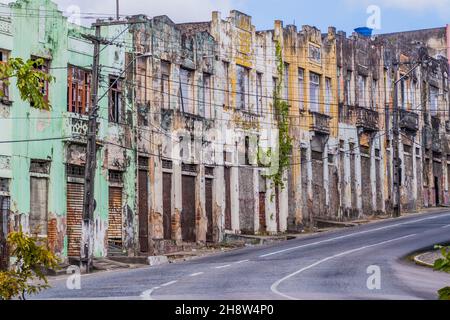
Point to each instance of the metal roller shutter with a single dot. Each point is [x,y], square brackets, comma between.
[115,215]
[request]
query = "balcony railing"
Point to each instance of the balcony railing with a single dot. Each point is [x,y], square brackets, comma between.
[367,119]
[409,120]
[320,123]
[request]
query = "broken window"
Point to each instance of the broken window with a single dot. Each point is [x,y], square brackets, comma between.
[78,90]
[301,88]
[206,95]
[328,96]
[165,85]
[4,90]
[115,99]
[242,94]
[314,80]
[187,90]
[45,68]
[259,98]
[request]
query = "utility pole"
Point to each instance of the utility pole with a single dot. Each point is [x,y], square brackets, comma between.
[87,242]
[117,10]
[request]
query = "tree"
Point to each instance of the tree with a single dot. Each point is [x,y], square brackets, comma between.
[30,80]
[443,264]
[27,274]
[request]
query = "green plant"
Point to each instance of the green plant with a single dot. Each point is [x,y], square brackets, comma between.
[27,275]
[30,80]
[443,264]
[281,109]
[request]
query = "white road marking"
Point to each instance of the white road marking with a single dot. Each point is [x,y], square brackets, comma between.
[169,283]
[349,236]
[243,261]
[274,287]
[147,295]
[222,267]
[196,274]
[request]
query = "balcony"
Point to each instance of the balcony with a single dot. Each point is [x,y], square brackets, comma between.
[367,119]
[320,123]
[409,121]
[76,127]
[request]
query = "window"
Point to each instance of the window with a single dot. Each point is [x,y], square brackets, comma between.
[413,92]
[115,99]
[187,90]
[348,88]
[165,85]
[242,94]
[226,93]
[434,94]
[328,96]
[314,80]
[403,94]
[259,99]
[45,68]
[362,93]
[301,88]
[286,82]
[4,90]
[78,90]
[315,53]
[207,96]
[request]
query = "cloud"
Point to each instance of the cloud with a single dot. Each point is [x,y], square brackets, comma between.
[177,10]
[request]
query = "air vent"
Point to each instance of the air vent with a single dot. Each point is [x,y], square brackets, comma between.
[75,171]
[115,176]
[167,164]
[209,171]
[40,166]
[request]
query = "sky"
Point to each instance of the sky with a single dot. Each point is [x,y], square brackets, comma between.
[346,15]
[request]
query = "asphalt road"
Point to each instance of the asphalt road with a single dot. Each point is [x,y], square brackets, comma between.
[322,266]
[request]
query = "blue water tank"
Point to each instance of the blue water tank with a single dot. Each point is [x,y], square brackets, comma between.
[364,31]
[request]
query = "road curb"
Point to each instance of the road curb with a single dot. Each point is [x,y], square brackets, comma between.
[419,261]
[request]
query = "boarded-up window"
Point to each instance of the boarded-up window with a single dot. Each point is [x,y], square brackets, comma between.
[301,88]
[328,96]
[434,94]
[187,90]
[226,93]
[78,90]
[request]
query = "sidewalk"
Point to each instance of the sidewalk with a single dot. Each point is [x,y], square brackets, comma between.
[235,241]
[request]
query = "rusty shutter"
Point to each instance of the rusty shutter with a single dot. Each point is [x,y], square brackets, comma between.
[209,209]
[227,173]
[115,215]
[188,212]
[143,210]
[75,194]
[167,205]
[4,214]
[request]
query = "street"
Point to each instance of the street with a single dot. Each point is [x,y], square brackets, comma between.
[323,266]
